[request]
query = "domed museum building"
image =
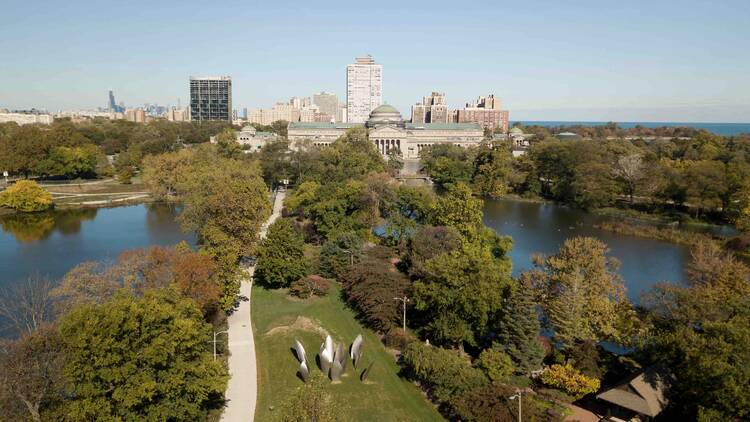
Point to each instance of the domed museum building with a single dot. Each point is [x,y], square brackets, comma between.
[389,132]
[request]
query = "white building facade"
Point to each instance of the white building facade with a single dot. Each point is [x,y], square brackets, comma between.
[390,133]
[364,88]
[26,119]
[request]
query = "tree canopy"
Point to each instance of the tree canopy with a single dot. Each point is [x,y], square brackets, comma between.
[140,359]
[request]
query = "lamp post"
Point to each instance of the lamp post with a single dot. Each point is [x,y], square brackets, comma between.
[215,335]
[517,396]
[404,300]
[351,256]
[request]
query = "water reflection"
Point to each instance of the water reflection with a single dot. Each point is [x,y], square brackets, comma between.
[542,228]
[52,243]
[33,227]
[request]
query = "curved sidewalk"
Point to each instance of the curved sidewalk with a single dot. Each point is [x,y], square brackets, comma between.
[242,391]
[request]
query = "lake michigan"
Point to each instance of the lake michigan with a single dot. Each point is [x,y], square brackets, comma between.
[724,129]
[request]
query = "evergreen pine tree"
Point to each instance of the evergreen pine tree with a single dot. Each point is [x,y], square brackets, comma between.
[281,256]
[518,330]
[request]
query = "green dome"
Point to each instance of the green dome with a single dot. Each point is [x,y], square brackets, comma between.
[516,131]
[385,115]
[385,108]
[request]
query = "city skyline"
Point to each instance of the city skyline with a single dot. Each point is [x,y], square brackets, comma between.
[547,61]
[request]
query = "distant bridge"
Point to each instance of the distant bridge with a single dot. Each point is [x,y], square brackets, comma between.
[406,177]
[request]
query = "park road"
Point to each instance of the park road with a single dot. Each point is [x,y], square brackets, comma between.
[242,391]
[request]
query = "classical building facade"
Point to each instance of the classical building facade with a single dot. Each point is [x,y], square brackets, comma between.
[388,131]
[251,139]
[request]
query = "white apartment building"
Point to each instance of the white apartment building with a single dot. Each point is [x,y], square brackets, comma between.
[364,88]
[25,119]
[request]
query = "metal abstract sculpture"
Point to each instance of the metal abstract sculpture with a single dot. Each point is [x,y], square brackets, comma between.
[300,350]
[336,371]
[356,351]
[304,372]
[326,355]
[341,357]
[332,359]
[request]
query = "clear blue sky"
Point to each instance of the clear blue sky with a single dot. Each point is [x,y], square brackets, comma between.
[657,60]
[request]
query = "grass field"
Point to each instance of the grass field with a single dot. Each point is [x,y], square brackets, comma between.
[278,320]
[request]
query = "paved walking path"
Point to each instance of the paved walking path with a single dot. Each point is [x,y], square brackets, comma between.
[242,391]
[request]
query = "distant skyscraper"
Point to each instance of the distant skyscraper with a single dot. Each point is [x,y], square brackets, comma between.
[211,98]
[327,103]
[112,104]
[364,88]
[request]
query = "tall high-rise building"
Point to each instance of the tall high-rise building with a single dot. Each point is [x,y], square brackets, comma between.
[364,88]
[327,103]
[211,98]
[112,106]
[432,109]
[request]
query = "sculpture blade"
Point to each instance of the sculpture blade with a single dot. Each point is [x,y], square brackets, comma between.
[300,350]
[304,372]
[336,371]
[366,372]
[325,365]
[341,356]
[355,346]
[329,346]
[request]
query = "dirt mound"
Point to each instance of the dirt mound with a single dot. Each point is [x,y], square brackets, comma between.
[300,323]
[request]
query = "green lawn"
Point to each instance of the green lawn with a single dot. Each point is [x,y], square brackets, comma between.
[385,397]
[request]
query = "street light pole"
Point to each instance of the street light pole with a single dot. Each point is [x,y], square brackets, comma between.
[517,396]
[404,300]
[216,334]
[351,256]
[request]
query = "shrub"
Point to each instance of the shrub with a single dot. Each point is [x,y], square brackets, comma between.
[444,373]
[397,338]
[493,403]
[496,364]
[307,287]
[570,380]
[26,196]
[125,175]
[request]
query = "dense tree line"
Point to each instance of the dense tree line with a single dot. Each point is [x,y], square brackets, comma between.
[705,174]
[78,150]
[225,203]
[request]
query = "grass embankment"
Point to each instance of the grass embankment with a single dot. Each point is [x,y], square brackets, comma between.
[97,193]
[279,319]
[674,217]
[666,234]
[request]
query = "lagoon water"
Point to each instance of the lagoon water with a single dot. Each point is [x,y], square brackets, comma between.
[53,243]
[542,228]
